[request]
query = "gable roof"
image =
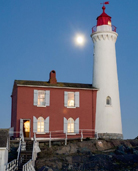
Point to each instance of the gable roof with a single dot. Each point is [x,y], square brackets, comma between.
[58,84]
[4,135]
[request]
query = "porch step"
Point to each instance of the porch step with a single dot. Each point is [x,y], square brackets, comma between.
[25,156]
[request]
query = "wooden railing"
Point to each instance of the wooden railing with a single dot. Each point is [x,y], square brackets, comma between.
[28,166]
[11,166]
[33,152]
[82,133]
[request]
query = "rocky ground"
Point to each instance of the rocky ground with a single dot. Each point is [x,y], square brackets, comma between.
[97,155]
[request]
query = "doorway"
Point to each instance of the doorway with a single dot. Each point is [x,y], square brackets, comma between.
[25,127]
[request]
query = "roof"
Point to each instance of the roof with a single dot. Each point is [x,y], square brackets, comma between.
[103,18]
[4,134]
[58,84]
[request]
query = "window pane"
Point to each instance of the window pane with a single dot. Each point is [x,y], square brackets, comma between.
[70,99]
[41,98]
[108,100]
[40,125]
[42,130]
[70,125]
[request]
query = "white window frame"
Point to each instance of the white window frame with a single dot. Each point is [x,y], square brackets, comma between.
[69,123]
[76,99]
[46,125]
[40,124]
[76,126]
[41,91]
[46,100]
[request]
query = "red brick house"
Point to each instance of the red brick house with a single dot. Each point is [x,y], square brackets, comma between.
[43,107]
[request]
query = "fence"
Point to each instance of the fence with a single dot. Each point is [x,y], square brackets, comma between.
[11,166]
[28,166]
[60,135]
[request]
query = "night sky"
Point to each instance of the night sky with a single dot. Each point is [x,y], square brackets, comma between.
[37,36]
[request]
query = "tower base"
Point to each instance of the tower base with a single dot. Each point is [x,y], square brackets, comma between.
[110,136]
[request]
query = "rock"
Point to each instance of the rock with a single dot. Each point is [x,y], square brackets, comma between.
[90,145]
[56,143]
[73,148]
[76,159]
[70,167]
[45,168]
[84,150]
[135,151]
[134,143]
[104,145]
[58,165]
[69,159]
[97,155]
[63,150]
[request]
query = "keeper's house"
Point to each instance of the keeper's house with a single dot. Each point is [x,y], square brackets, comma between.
[43,107]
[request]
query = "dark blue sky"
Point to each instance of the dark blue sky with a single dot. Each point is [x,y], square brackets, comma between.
[36,36]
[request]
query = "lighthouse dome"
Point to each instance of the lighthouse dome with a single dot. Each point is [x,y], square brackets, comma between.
[103,19]
[103,23]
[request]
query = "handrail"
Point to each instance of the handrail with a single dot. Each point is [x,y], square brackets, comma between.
[19,150]
[28,166]
[79,129]
[22,136]
[13,165]
[33,149]
[81,133]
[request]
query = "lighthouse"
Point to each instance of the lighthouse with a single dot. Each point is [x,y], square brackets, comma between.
[105,78]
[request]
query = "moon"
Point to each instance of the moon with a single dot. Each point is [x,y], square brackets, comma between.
[80,39]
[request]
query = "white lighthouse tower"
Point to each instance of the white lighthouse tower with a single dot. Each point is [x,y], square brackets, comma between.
[108,115]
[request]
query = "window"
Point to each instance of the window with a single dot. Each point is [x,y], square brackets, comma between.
[108,100]
[71,99]
[41,98]
[70,127]
[40,125]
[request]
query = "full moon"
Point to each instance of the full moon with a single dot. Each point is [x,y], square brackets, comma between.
[80,40]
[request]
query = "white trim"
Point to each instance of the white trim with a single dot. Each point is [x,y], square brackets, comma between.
[41,106]
[71,133]
[3,148]
[58,87]
[70,107]
[40,133]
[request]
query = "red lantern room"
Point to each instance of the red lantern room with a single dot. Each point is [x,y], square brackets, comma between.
[103,22]
[103,19]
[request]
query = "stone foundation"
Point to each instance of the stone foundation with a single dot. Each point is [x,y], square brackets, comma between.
[110,136]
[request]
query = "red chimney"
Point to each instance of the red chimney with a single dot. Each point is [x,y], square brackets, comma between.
[52,77]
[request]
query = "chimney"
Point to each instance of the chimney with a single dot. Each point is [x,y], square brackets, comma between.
[52,77]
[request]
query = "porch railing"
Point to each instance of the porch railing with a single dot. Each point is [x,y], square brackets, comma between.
[82,133]
[28,166]
[33,152]
[12,166]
